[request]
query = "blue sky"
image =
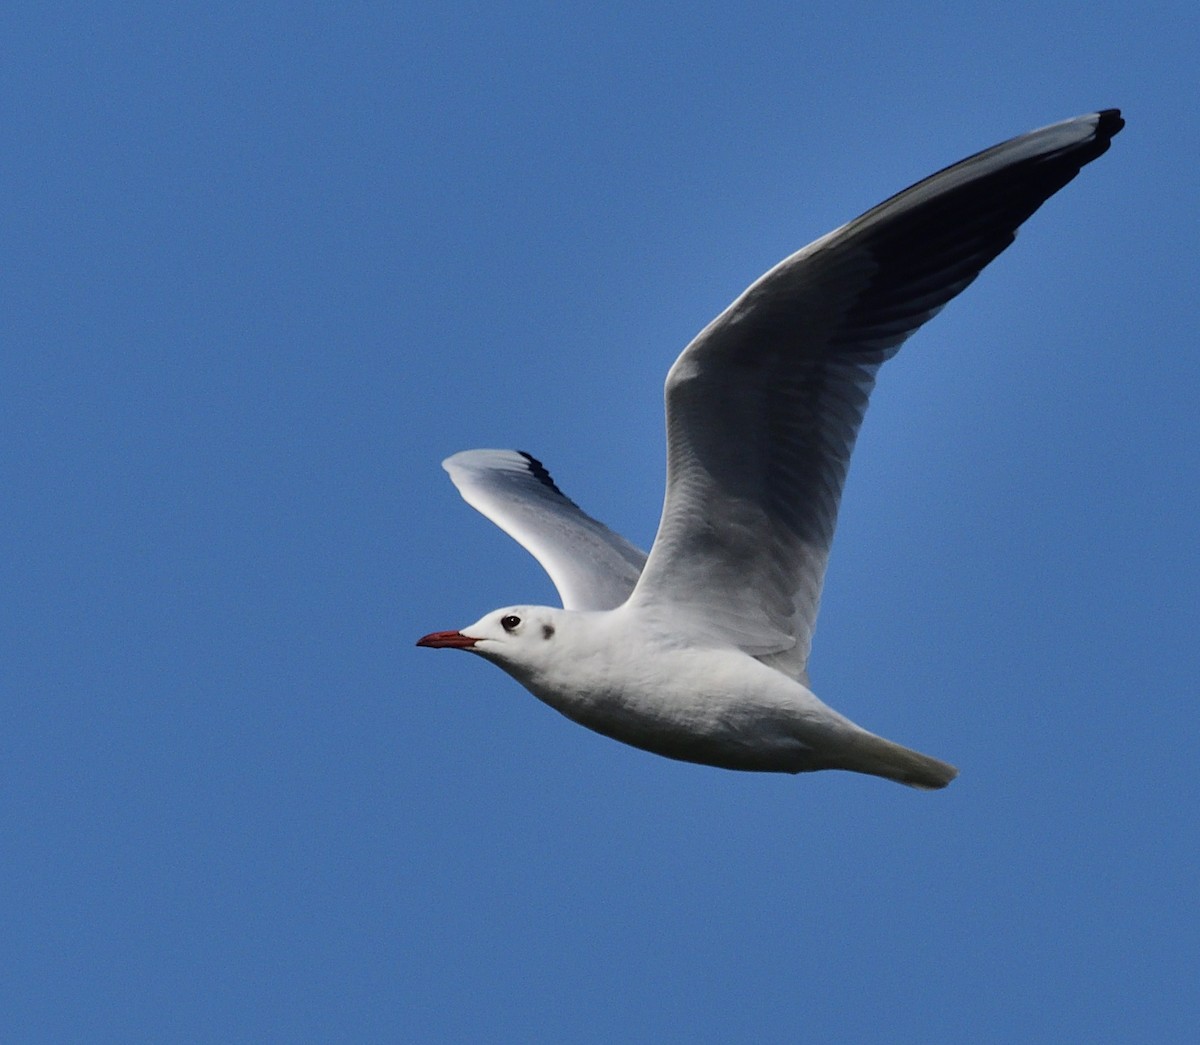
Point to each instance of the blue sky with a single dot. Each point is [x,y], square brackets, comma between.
[266,265]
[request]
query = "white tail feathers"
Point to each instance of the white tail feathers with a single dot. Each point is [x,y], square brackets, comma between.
[878,757]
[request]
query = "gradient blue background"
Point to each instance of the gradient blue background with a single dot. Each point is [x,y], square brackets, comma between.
[266,264]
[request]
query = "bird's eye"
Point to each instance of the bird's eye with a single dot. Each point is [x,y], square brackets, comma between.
[510,622]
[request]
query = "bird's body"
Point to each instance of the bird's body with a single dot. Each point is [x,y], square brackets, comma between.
[648,684]
[699,651]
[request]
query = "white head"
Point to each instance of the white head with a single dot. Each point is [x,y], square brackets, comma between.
[516,637]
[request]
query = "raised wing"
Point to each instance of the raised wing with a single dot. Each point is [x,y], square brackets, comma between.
[592,567]
[763,407]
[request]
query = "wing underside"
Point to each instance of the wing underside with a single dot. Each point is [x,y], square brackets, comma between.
[764,406]
[592,567]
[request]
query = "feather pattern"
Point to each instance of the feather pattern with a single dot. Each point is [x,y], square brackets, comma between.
[764,406]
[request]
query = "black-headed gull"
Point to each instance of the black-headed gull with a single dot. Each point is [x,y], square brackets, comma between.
[699,651]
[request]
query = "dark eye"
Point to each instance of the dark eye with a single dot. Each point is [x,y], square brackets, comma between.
[510,622]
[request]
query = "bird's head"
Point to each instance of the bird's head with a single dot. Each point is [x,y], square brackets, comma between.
[513,637]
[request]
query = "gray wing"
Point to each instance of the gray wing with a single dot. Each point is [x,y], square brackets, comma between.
[764,406]
[592,567]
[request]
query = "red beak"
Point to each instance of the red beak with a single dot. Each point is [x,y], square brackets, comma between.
[447,640]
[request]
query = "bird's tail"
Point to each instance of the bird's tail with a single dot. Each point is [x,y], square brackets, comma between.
[868,753]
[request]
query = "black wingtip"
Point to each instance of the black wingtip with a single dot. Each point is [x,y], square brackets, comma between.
[539,472]
[1109,124]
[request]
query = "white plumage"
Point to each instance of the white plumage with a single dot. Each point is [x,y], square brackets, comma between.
[699,650]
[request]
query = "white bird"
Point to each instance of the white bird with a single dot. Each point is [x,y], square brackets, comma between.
[699,651]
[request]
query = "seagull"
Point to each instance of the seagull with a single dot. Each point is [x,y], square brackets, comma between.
[699,651]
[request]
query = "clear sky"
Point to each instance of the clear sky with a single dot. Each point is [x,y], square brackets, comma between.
[266,264]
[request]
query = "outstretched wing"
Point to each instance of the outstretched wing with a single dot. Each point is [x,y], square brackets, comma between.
[764,406]
[592,567]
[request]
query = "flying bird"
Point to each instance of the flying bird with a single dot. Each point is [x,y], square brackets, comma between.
[699,650]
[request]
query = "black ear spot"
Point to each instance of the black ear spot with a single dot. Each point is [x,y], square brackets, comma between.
[547,631]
